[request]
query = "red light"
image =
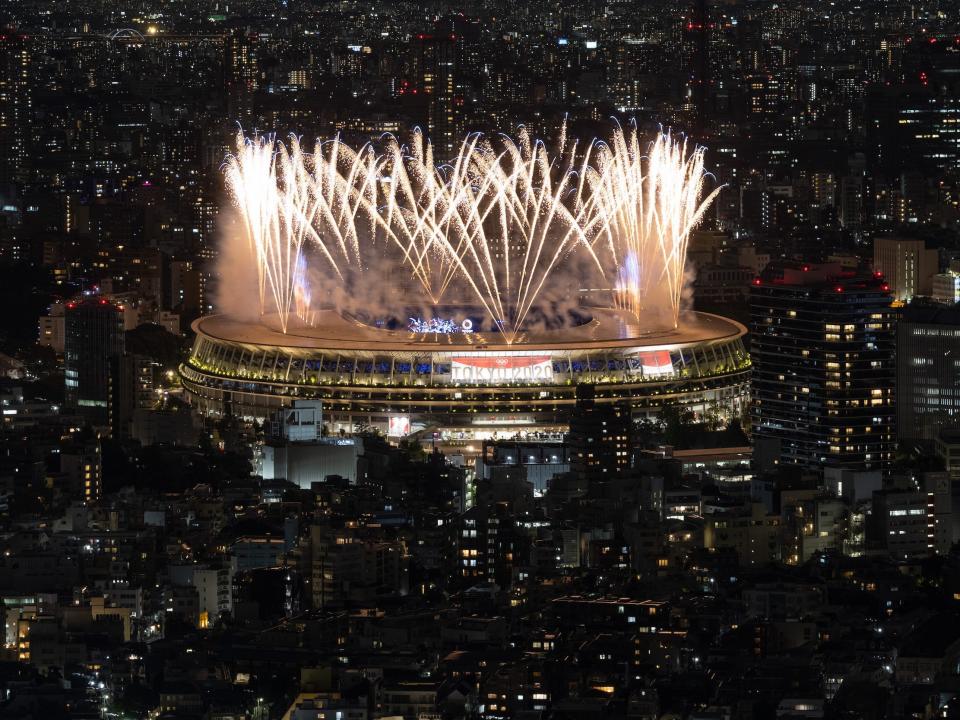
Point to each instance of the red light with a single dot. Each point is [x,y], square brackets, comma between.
[886,287]
[839,288]
[878,274]
[102,301]
[756,281]
[806,268]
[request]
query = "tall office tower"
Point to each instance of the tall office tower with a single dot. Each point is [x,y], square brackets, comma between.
[928,371]
[93,342]
[906,265]
[15,103]
[242,71]
[696,29]
[435,68]
[600,435]
[823,368]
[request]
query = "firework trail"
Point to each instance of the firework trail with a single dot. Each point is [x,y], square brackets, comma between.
[497,220]
[642,208]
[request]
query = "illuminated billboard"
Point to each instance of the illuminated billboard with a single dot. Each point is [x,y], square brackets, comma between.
[399,426]
[655,362]
[501,369]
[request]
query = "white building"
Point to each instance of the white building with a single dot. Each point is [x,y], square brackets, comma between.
[946,287]
[53,329]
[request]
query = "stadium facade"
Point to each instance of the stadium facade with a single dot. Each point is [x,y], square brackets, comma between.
[463,384]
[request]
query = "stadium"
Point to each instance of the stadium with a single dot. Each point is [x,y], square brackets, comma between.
[462,384]
[469,298]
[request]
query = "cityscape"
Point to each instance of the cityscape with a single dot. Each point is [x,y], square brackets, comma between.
[371,360]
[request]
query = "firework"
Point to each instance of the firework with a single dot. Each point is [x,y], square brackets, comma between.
[497,221]
[642,209]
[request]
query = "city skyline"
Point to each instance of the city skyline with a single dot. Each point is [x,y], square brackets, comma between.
[369,360]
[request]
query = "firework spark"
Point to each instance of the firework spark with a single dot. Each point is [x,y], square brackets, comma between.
[498,220]
[642,209]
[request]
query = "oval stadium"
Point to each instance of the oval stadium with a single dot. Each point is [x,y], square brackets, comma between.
[464,385]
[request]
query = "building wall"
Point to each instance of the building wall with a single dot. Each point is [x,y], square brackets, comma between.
[303,464]
[928,374]
[907,265]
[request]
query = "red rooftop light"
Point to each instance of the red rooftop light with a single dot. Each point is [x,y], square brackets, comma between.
[839,288]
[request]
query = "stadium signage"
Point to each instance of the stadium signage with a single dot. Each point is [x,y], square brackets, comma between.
[655,362]
[500,369]
[440,326]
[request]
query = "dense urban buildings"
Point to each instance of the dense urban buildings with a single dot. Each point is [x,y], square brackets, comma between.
[700,475]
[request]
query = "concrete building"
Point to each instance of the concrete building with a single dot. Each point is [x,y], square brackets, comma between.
[823,370]
[928,371]
[914,519]
[947,447]
[907,265]
[53,328]
[538,462]
[751,532]
[600,435]
[946,287]
[93,342]
[296,450]
[214,593]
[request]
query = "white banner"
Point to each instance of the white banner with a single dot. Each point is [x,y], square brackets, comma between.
[494,369]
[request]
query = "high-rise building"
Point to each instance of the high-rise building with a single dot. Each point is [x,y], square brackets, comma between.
[695,39]
[15,105]
[93,341]
[600,436]
[242,68]
[435,67]
[823,367]
[907,266]
[81,464]
[928,371]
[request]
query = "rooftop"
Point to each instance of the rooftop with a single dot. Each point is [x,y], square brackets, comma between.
[333,331]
